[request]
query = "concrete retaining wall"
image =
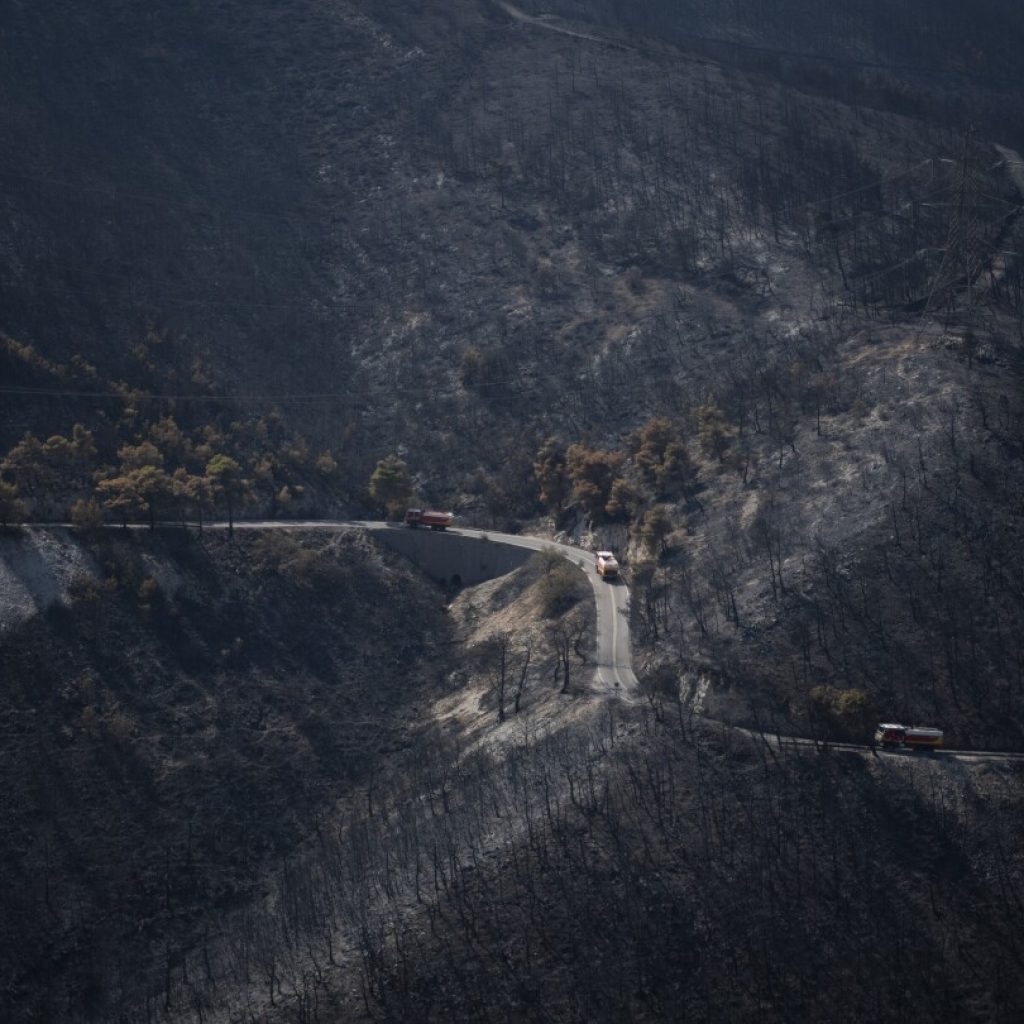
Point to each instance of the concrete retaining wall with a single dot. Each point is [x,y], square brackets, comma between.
[451,559]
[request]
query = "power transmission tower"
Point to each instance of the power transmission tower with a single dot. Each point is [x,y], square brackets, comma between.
[954,287]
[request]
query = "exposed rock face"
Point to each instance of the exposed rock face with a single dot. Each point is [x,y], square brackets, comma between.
[38,570]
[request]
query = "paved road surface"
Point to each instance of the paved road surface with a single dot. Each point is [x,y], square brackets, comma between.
[614,660]
[614,673]
[778,742]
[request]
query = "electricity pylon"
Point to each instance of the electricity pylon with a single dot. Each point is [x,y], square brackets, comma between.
[954,288]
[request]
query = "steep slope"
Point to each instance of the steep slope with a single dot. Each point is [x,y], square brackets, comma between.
[186,717]
[447,221]
[756,300]
[666,875]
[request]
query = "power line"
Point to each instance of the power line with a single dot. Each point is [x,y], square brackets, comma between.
[835,61]
[962,259]
[133,396]
[831,59]
[148,302]
[118,194]
[876,215]
[452,390]
[372,392]
[869,185]
[876,275]
[315,216]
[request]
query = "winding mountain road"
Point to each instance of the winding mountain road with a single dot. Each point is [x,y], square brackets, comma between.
[614,674]
[614,659]
[614,666]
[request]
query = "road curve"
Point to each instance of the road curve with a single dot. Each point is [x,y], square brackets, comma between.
[614,670]
[613,673]
[614,663]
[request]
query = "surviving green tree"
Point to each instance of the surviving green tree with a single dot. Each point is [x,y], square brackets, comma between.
[391,485]
[227,482]
[139,484]
[12,508]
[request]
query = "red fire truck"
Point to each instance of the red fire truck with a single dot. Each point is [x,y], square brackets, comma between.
[429,517]
[916,737]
